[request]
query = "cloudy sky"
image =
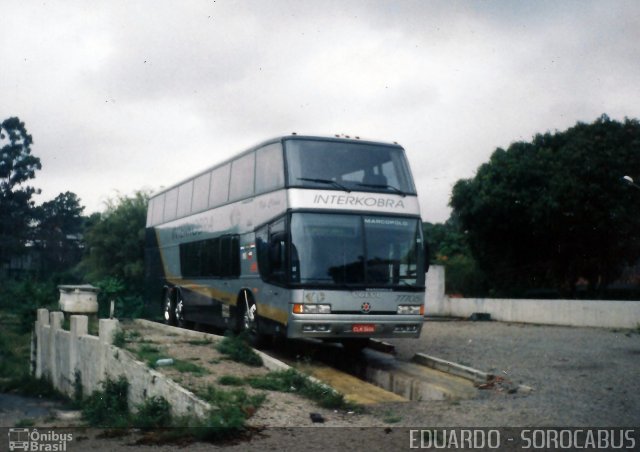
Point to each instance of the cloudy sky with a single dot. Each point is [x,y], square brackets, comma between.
[126,95]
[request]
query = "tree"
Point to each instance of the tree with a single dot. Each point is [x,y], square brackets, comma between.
[554,211]
[58,232]
[115,242]
[17,166]
[449,247]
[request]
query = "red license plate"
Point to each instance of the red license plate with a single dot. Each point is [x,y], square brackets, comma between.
[363,328]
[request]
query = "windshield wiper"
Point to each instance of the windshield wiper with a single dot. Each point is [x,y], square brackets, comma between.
[326,181]
[391,187]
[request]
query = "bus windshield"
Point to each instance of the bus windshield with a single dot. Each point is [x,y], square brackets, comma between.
[346,250]
[347,166]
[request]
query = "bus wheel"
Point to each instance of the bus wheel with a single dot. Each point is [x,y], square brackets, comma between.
[169,308]
[355,346]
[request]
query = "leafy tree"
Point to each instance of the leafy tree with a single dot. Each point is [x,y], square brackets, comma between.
[58,232]
[553,211]
[115,243]
[17,166]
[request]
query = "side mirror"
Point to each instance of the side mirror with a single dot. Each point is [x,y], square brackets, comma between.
[427,256]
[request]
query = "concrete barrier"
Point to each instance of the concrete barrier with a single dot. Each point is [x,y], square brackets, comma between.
[71,358]
[593,313]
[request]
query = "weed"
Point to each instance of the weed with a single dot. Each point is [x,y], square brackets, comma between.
[186,366]
[391,418]
[108,407]
[230,380]
[120,338]
[154,413]
[22,423]
[237,349]
[231,404]
[149,354]
[291,380]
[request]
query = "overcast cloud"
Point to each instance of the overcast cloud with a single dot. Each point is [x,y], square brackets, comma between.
[124,95]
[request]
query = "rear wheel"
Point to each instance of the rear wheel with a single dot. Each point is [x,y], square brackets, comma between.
[169,307]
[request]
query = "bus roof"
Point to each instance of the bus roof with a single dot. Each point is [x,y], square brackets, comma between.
[294,136]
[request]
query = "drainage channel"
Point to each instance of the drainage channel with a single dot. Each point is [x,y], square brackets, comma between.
[373,377]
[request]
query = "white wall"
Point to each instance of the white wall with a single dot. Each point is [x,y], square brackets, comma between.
[596,313]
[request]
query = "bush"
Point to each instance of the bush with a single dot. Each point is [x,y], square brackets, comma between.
[154,413]
[108,407]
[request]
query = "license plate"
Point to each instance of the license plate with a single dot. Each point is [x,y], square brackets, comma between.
[363,328]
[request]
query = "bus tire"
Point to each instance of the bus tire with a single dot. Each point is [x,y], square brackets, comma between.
[169,307]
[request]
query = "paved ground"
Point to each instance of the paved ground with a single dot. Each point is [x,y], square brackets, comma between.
[581,376]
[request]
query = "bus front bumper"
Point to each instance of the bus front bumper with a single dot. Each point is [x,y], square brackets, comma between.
[341,326]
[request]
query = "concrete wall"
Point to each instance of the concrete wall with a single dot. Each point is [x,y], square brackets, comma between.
[596,313]
[60,354]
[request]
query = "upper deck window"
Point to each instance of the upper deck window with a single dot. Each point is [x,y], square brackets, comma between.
[347,166]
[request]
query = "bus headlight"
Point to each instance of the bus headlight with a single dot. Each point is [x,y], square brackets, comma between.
[411,309]
[305,308]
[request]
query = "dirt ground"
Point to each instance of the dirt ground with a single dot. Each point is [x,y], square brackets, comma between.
[581,377]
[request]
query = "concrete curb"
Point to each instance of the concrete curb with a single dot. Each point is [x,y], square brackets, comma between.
[270,362]
[459,370]
[476,376]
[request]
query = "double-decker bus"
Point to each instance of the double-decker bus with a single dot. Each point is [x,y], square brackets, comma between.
[300,236]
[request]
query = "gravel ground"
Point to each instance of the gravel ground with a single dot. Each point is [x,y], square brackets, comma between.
[581,377]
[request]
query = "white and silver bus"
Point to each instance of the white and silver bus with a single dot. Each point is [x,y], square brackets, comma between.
[299,236]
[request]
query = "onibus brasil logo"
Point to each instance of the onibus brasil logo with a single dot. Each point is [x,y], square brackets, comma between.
[33,440]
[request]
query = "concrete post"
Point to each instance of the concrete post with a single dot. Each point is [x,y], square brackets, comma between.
[55,322]
[41,322]
[79,327]
[107,330]
[435,297]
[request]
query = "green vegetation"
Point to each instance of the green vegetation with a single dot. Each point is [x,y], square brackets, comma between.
[237,349]
[150,354]
[390,417]
[108,407]
[154,413]
[187,366]
[231,380]
[293,381]
[553,213]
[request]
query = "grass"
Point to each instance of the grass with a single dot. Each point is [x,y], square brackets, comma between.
[293,381]
[231,380]
[151,354]
[389,417]
[238,350]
